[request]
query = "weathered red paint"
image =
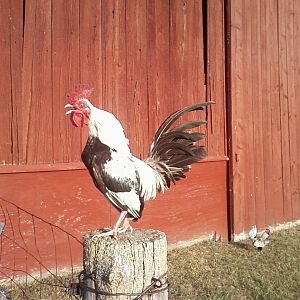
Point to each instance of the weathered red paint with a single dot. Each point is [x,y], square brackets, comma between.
[265,121]
[194,207]
[135,59]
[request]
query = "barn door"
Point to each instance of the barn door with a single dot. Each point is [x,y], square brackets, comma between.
[265,120]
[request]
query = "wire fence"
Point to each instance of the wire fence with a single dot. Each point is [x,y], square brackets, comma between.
[38,260]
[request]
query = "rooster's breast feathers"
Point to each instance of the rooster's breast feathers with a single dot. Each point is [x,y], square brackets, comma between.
[115,174]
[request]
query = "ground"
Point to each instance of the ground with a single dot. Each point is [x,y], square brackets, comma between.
[214,270]
[217,270]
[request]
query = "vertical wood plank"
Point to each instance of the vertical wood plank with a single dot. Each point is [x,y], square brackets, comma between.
[158,74]
[217,142]
[275,203]
[27,74]
[5,86]
[178,51]
[10,48]
[296,27]
[66,72]
[114,58]
[136,76]
[284,107]
[293,112]
[16,44]
[238,138]
[39,138]
[266,124]
[258,113]
[248,118]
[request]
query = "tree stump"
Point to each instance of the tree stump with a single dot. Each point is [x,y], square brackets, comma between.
[126,266]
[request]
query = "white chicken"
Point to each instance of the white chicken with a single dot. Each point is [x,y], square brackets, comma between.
[259,241]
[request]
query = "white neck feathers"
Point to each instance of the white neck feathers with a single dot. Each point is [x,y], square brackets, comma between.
[107,128]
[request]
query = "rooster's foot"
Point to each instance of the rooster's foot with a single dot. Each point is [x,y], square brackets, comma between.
[106,232]
[116,229]
[123,229]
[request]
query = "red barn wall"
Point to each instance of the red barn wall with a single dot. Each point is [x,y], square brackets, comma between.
[145,60]
[265,84]
[68,200]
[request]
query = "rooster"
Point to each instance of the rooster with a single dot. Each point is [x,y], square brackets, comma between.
[259,242]
[126,181]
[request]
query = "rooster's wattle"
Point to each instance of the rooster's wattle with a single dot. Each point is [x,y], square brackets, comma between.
[126,181]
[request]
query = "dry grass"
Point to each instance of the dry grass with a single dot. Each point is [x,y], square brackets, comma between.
[212,270]
[215,270]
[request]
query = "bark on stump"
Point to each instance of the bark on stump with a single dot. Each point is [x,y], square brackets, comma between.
[127,264]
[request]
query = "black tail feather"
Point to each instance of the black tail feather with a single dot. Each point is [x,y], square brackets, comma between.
[182,162]
[176,115]
[174,148]
[189,125]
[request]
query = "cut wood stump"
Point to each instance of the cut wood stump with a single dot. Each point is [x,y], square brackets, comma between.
[131,266]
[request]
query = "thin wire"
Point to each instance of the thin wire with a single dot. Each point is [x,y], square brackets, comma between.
[149,290]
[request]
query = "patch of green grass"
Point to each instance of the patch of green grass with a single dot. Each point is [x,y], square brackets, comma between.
[214,270]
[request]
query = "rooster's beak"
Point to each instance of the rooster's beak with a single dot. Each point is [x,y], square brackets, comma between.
[69,106]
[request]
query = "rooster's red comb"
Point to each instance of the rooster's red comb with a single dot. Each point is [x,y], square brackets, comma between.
[81,91]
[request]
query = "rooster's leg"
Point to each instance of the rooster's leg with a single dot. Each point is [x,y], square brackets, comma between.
[116,229]
[126,225]
[121,219]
